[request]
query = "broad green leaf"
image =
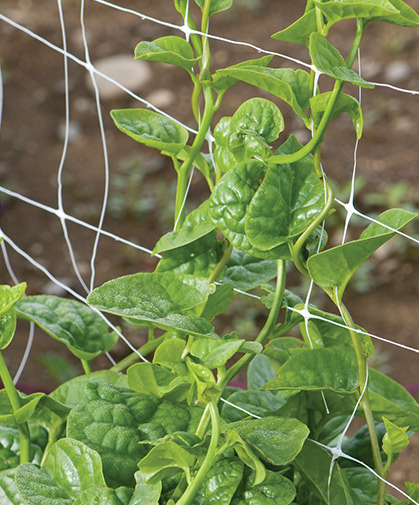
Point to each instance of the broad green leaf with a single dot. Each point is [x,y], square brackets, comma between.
[359,445]
[395,440]
[246,272]
[196,258]
[8,492]
[7,327]
[291,86]
[218,302]
[299,31]
[363,484]
[274,490]
[99,495]
[74,466]
[258,116]
[151,129]
[350,9]
[81,329]
[259,372]
[10,295]
[170,355]
[288,200]
[164,460]
[37,487]
[407,16]
[220,483]
[10,449]
[108,422]
[171,49]
[318,369]
[229,204]
[221,82]
[156,299]
[329,61]
[197,224]
[334,267]
[216,5]
[216,353]
[276,440]
[281,348]
[246,455]
[344,103]
[145,494]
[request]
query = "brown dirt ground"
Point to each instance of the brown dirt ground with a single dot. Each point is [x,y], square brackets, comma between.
[30,151]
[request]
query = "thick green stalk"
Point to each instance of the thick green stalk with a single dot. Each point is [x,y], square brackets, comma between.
[16,403]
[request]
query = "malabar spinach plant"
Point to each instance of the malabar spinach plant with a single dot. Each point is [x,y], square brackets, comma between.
[172,430]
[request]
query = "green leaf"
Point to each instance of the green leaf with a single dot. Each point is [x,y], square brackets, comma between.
[216,353]
[221,82]
[7,327]
[281,348]
[170,355]
[288,200]
[335,266]
[344,103]
[218,302]
[299,31]
[329,61]
[145,494]
[220,483]
[318,369]
[108,423]
[197,224]
[364,9]
[156,299]
[81,329]
[8,492]
[216,5]
[104,496]
[407,16]
[291,86]
[10,449]
[37,487]
[246,272]
[151,129]
[276,440]
[164,460]
[171,49]
[412,490]
[10,295]
[395,440]
[359,445]
[229,204]
[274,490]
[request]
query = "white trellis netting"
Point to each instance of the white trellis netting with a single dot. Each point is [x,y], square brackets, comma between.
[39,185]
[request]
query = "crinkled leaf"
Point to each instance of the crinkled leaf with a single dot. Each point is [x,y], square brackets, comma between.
[365,9]
[229,204]
[7,327]
[344,103]
[318,369]
[216,5]
[274,490]
[246,272]
[108,422]
[81,329]
[292,86]
[299,31]
[329,61]
[395,440]
[151,129]
[276,440]
[37,487]
[218,302]
[8,492]
[220,483]
[197,224]
[164,460]
[335,266]
[288,200]
[171,49]
[9,295]
[156,299]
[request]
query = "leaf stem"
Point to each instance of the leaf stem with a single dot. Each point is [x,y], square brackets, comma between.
[221,264]
[86,366]
[16,403]
[134,357]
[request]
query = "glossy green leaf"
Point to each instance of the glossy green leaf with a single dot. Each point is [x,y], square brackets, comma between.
[230,202]
[171,49]
[170,354]
[329,61]
[365,9]
[216,353]
[99,495]
[335,266]
[216,5]
[288,200]
[9,295]
[197,224]
[151,129]
[281,348]
[156,299]
[407,16]
[218,302]
[276,440]
[344,103]
[395,440]
[363,484]
[318,369]
[164,460]
[220,483]
[108,422]
[292,86]
[8,492]
[299,31]
[246,272]
[274,490]
[81,329]
[259,372]
[221,82]
[145,494]
[7,327]
[37,487]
